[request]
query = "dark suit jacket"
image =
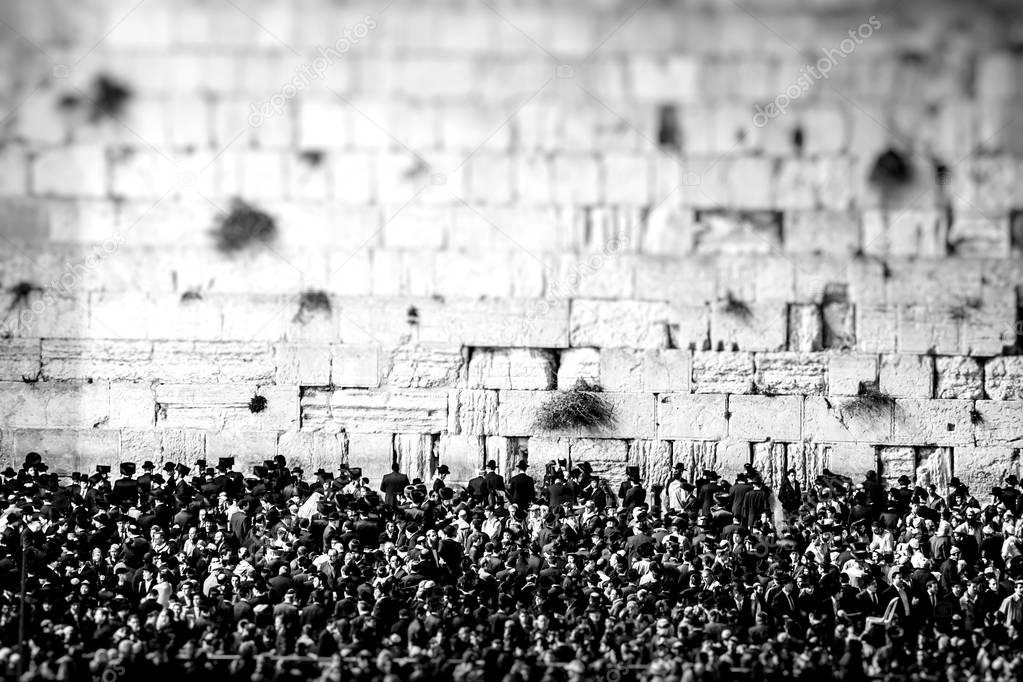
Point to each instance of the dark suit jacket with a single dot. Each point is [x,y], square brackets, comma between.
[391,485]
[522,489]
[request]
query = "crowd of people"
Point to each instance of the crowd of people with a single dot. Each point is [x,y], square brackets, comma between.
[205,571]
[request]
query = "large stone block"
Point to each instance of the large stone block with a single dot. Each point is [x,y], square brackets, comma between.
[97,359]
[66,450]
[790,373]
[415,454]
[959,377]
[302,364]
[715,372]
[922,329]
[933,422]
[758,326]
[312,450]
[372,452]
[810,459]
[19,358]
[463,454]
[512,368]
[998,422]
[374,411]
[907,376]
[216,407]
[770,459]
[758,417]
[982,468]
[578,364]
[612,324]
[653,457]
[726,457]
[806,327]
[681,416]
[46,405]
[633,415]
[1003,378]
[249,448]
[847,420]
[473,412]
[212,361]
[427,366]
[354,366]
[542,450]
[607,457]
[621,369]
[934,467]
[847,372]
[895,462]
[182,445]
[667,370]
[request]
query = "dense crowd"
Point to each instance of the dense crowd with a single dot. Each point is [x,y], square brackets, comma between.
[206,572]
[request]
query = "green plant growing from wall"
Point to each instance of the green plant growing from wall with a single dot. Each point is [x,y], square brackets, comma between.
[583,406]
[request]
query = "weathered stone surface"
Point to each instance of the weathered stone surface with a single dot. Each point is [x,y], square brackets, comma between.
[847,372]
[473,412]
[715,372]
[770,460]
[182,445]
[1003,378]
[653,457]
[507,452]
[302,364]
[982,468]
[896,461]
[681,416]
[495,322]
[54,406]
[634,415]
[726,457]
[839,325]
[845,420]
[959,377]
[249,448]
[65,450]
[933,466]
[132,406]
[114,359]
[922,329]
[415,454]
[312,450]
[19,358]
[372,452]
[933,422]
[427,366]
[875,326]
[607,457]
[763,328]
[667,370]
[578,364]
[207,361]
[226,406]
[758,417]
[512,368]
[810,459]
[907,376]
[998,422]
[354,366]
[543,450]
[806,328]
[614,324]
[789,373]
[621,369]
[374,411]
[463,454]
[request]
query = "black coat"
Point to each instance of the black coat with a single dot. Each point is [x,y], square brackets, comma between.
[522,490]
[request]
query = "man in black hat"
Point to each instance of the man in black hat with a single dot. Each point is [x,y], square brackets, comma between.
[495,483]
[522,487]
[477,486]
[145,481]
[439,482]
[126,489]
[393,484]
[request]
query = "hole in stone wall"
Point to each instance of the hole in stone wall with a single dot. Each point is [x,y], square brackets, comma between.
[669,136]
[1016,230]
[891,170]
[797,139]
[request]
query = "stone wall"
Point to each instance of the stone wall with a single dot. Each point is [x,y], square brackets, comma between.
[738,218]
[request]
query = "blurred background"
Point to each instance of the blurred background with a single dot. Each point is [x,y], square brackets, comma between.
[778,233]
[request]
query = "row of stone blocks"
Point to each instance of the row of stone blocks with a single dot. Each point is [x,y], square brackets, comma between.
[419,455]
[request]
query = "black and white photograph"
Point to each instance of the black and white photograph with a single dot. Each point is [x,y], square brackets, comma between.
[511,340]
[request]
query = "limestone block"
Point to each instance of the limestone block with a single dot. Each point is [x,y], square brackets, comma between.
[621,369]
[875,328]
[66,449]
[770,459]
[354,366]
[132,406]
[933,422]
[493,322]
[578,364]
[763,328]
[982,468]
[212,361]
[846,420]
[463,454]
[634,415]
[427,366]
[374,411]
[726,457]
[653,457]
[249,448]
[1003,378]
[512,368]
[847,371]
[806,327]
[681,416]
[990,329]
[506,452]
[959,377]
[790,373]
[716,372]
[848,459]
[689,326]
[758,417]
[607,457]
[182,445]
[311,450]
[926,330]
[215,407]
[302,364]
[907,376]
[373,453]
[815,231]
[473,412]
[839,326]
[998,422]
[19,358]
[54,406]
[543,450]
[414,453]
[896,461]
[612,324]
[666,370]
[96,359]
